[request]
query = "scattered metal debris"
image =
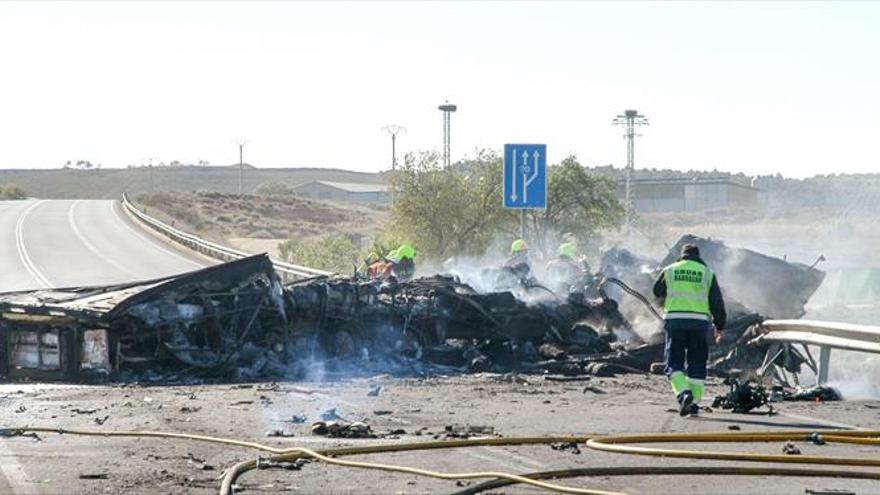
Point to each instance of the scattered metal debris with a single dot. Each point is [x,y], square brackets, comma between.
[287,465]
[467,431]
[566,446]
[791,449]
[341,429]
[819,393]
[743,397]
[94,476]
[279,433]
[298,419]
[239,321]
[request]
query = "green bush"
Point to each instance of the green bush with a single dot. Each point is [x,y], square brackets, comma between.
[12,191]
[333,252]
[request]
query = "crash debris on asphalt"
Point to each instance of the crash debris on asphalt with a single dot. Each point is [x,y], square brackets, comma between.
[238,321]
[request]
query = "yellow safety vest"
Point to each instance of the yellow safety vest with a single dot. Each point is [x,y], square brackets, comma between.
[687,288]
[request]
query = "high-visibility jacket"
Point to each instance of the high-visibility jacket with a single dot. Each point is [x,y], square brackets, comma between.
[377,269]
[687,289]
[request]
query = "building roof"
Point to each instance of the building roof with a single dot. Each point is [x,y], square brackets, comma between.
[352,187]
[732,181]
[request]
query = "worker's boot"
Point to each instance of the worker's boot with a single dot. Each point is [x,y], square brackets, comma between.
[685,401]
[694,409]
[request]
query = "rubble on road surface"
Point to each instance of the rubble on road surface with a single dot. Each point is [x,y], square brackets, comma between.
[566,446]
[743,397]
[238,321]
[342,429]
[468,431]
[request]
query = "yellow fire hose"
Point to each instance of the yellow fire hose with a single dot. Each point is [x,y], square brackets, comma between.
[615,443]
[619,444]
[676,470]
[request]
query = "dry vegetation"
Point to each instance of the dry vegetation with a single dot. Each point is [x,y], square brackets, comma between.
[273,217]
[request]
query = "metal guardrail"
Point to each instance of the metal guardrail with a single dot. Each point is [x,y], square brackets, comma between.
[825,334]
[212,249]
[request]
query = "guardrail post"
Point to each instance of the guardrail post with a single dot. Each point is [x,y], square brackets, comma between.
[824,363]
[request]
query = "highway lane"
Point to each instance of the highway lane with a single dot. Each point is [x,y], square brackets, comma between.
[74,243]
[66,243]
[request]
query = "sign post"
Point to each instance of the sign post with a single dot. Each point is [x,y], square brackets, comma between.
[525,179]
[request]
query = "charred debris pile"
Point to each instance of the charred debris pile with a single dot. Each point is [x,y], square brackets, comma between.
[239,321]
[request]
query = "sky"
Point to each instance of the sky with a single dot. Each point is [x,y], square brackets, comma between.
[749,87]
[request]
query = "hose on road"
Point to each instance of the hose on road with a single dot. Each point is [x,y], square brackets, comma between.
[673,471]
[615,444]
[328,455]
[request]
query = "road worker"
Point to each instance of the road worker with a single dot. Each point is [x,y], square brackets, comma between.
[373,266]
[518,263]
[693,303]
[564,272]
[403,266]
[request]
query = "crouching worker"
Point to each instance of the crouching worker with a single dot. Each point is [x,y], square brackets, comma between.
[564,273]
[372,266]
[518,263]
[692,302]
[403,266]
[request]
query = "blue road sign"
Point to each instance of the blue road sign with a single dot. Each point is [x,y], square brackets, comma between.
[525,176]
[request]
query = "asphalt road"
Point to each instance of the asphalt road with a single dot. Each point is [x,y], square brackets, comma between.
[68,243]
[418,410]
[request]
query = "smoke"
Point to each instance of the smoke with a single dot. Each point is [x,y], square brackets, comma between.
[849,241]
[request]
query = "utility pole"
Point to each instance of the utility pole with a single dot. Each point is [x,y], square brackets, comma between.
[447,110]
[393,130]
[240,143]
[150,166]
[630,119]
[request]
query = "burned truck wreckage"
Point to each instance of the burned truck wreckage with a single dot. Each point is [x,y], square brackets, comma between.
[239,321]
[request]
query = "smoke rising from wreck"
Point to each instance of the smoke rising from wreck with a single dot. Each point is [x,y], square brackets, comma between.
[849,293]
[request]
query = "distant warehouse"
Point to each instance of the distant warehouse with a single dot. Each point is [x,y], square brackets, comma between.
[658,194]
[323,190]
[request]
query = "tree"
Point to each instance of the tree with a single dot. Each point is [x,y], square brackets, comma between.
[579,206]
[448,211]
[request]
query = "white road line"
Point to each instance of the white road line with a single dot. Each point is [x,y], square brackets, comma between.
[91,247]
[494,460]
[13,472]
[517,457]
[22,250]
[150,241]
[820,421]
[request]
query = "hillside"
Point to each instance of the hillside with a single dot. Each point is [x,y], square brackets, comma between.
[257,223]
[111,183]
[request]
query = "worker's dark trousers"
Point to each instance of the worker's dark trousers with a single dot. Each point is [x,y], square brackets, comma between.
[687,348]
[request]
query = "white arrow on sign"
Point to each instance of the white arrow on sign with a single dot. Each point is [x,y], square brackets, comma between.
[525,189]
[513,195]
